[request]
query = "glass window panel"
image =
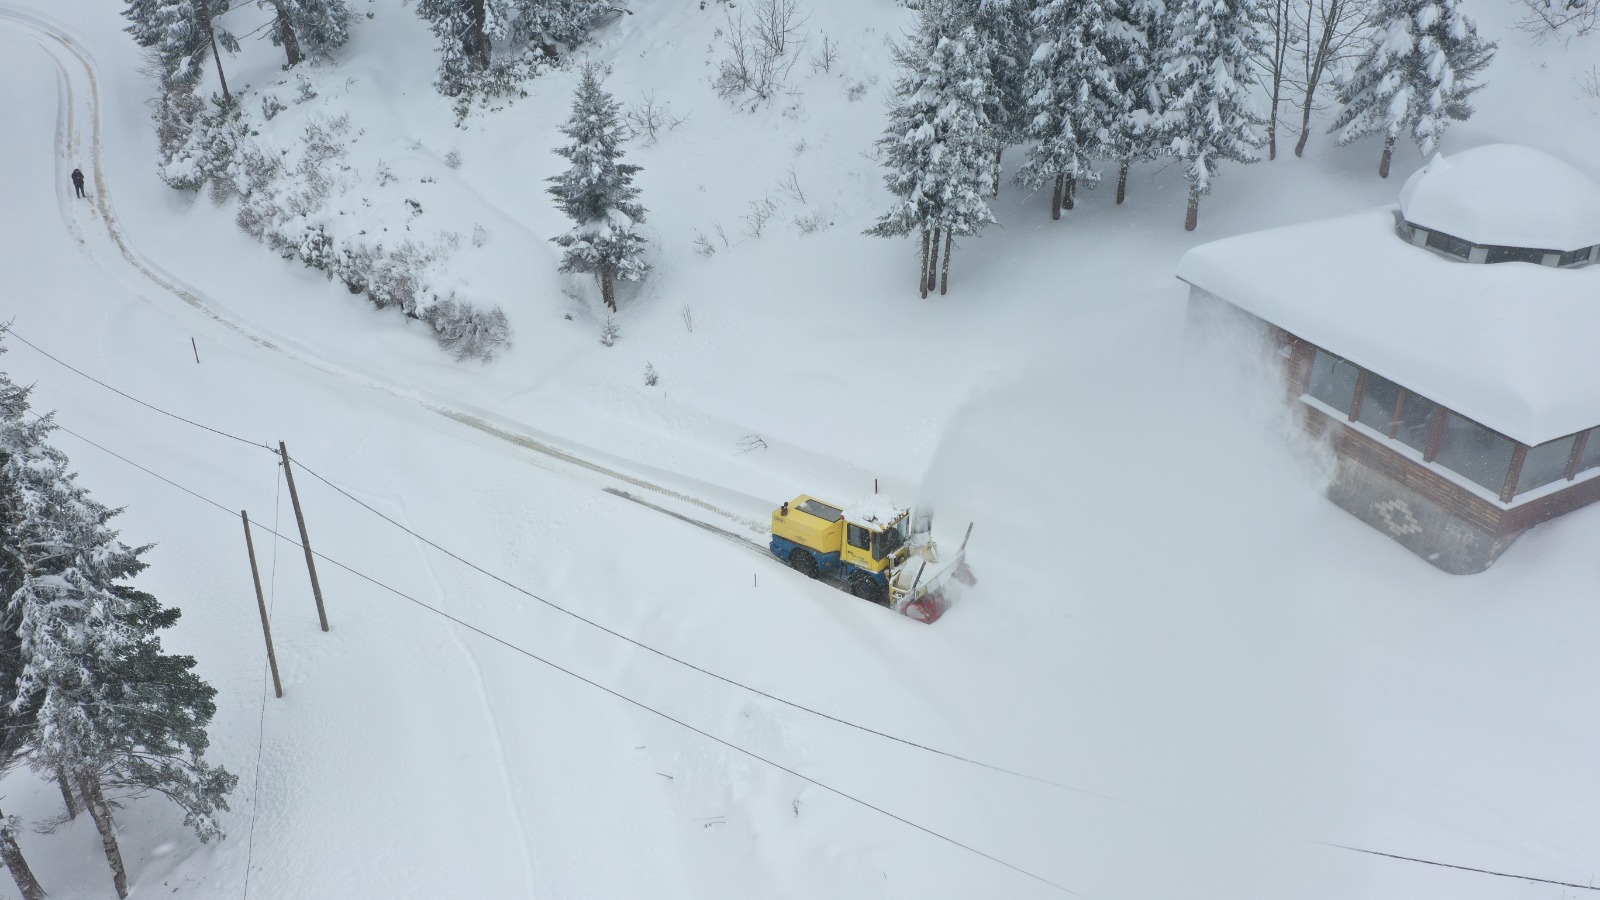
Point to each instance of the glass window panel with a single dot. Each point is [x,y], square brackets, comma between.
[1572,257]
[1515,254]
[1470,449]
[1546,463]
[1333,380]
[1445,243]
[1415,416]
[1378,403]
[1591,451]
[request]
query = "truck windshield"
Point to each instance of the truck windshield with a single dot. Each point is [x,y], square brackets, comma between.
[889,540]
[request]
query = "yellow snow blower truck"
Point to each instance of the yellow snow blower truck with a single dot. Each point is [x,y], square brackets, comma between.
[871,550]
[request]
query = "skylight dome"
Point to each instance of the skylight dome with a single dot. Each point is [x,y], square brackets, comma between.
[1503,203]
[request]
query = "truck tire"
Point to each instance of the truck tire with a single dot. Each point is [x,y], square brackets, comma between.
[866,589]
[803,562]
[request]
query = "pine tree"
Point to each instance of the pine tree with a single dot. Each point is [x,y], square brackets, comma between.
[1134,137]
[1074,98]
[107,707]
[1206,116]
[485,46]
[939,144]
[178,33]
[597,193]
[309,27]
[1418,75]
[1008,41]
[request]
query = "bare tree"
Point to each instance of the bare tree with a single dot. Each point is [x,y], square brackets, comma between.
[1272,62]
[762,50]
[1329,32]
[1547,17]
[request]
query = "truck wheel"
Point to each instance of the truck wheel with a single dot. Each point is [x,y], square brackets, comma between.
[866,589]
[803,562]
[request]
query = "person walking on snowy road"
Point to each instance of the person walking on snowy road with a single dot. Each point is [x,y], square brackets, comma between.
[77,181]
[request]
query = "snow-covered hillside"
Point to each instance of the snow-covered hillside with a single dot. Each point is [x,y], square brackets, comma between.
[1220,672]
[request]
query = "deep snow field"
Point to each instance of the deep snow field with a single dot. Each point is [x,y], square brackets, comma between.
[1223,672]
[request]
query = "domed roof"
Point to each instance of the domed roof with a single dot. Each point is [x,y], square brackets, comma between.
[1505,195]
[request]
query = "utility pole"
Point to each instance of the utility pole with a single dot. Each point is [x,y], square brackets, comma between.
[261,602]
[305,539]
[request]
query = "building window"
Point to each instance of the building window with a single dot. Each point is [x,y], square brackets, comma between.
[1444,243]
[1574,257]
[1471,450]
[1416,415]
[1591,451]
[1515,254]
[1378,403]
[1546,463]
[1333,380]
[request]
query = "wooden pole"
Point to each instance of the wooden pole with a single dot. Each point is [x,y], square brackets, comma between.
[261,602]
[196,348]
[305,539]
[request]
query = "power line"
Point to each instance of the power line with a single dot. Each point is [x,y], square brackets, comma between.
[737,748]
[590,622]
[1445,865]
[613,692]
[685,663]
[8,330]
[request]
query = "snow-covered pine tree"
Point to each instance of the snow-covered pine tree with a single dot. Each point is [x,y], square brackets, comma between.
[486,46]
[597,193]
[178,33]
[1133,137]
[108,707]
[16,718]
[1074,99]
[1419,75]
[1206,115]
[938,146]
[309,27]
[1003,30]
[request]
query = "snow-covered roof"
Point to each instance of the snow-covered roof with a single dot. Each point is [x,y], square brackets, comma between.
[873,512]
[1514,346]
[1506,195]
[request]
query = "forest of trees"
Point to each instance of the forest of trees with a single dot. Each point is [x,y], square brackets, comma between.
[88,699]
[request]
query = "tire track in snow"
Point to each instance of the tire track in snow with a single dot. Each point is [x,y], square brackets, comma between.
[57,42]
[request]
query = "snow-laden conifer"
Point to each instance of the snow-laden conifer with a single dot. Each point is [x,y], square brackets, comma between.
[938,146]
[1077,108]
[1206,116]
[1008,41]
[178,33]
[597,192]
[1135,137]
[487,46]
[1417,76]
[93,698]
[309,27]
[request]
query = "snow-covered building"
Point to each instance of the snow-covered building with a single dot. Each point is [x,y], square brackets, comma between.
[1449,347]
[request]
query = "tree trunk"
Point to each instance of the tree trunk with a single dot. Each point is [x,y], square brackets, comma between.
[1055,199]
[291,43]
[608,289]
[1067,200]
[1193,218]
[998,151]
[1305,125]
[923,283]
[101,813]
[1388,150]
[933,261]
[1122,182]
[1272,124]
[217,55]
[14,860]
[944,277]
[474,43]
[66,794]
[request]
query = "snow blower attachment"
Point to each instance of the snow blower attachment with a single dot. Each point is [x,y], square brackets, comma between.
[872,550]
